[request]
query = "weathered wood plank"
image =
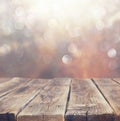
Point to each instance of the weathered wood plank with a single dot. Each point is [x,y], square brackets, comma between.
[117,80]
[61,82]
[105,81]
[13,103]
[87,104]
[112,94]
[49,105]
[6,86]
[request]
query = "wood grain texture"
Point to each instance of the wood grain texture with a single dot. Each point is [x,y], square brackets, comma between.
[117,80]
[61,82]
[12,104]
[7,86]
[87,104]
[50,104]
[112,94]
[105,81]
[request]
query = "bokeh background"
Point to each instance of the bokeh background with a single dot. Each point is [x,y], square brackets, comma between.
[60,38]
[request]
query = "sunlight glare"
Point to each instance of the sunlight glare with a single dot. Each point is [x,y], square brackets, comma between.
[82,11]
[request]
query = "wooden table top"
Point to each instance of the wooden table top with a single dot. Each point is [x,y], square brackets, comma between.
[59,99]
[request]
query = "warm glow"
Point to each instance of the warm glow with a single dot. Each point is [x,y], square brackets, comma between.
[82,11]
[50,38]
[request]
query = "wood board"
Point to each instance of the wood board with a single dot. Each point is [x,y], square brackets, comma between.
[86,103]
[15,102]
[52,102]
[111,92]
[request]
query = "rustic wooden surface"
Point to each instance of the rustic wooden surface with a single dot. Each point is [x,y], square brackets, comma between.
[59,99]
[15,102]
[117,80]
[111,92]
[7,85]
[86,102]
[51,101]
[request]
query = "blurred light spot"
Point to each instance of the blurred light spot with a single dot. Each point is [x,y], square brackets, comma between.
[19,11]
[20,18]
[7,31]
[74,50]
[112,53]
[98,12]
[113,19]
[6,28]
[66,59]
[5,49]
[30,20]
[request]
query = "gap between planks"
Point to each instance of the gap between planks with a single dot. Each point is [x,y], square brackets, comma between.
[11,85]
[31,99]
[77,109]
[10,103]
[58,94]
[110,90]
[117,81]
[102,94]
[68,98]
